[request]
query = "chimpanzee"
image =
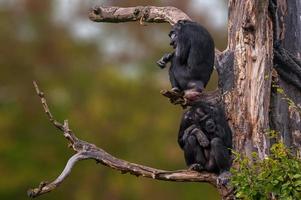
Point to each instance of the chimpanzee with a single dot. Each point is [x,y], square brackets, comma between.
[193,59]
[206,138]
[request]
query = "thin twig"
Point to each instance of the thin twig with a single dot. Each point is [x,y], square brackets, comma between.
[45,187]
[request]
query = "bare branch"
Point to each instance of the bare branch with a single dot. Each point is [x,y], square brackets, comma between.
[149,14]
[46,109]
[45,187]
[62,127]
[85,150]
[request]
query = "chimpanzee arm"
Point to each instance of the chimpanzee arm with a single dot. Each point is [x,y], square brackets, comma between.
[183,48]
[165,59]
[188,131]
[186,122]
[223,130]
[200,63]
[224,133]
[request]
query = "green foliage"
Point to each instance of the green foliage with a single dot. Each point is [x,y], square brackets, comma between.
[292,105]
[272,133]
[277,176]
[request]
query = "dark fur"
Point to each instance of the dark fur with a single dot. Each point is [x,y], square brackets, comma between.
[193,59]
[206,138]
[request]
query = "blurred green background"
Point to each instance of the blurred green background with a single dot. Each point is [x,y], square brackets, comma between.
[104,80]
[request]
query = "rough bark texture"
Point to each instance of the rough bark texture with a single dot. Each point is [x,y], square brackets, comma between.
[247,103]
[283,118]
[143,13]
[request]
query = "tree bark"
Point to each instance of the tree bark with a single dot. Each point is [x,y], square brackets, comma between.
[247,102]
[283,118]
[151,14]
[252,106]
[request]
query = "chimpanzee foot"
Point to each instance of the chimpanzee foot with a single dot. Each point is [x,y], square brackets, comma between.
[196,167]
[192,95]
[223,179]
[175,90]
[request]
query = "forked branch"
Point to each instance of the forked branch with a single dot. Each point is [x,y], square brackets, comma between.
[85,150]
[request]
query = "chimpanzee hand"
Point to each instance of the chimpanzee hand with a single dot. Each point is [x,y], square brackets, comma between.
[210,126]
[164,60]
[161,63]
[187,132]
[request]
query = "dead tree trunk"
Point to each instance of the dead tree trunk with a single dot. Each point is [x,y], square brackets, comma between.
[252,105]
[247,101]
[264,49]
[284,118]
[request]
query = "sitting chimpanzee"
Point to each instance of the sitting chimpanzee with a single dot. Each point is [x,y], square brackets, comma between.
[206,138]
[193,59]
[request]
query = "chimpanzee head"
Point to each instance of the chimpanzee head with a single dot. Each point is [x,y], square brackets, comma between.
[173,34]
[175,31]
[204,120]
[210,125]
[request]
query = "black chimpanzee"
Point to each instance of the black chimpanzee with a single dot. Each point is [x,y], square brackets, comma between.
[206,138]
[193,59]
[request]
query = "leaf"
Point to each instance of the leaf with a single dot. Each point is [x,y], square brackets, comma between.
[297,183]
[297,176]
[280,90]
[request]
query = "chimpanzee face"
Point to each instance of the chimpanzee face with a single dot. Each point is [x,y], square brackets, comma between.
[210,126]
[204,120]
[173,39]
[173,34]
[199,113]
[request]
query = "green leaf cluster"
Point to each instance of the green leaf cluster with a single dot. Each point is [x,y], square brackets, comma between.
[276,177]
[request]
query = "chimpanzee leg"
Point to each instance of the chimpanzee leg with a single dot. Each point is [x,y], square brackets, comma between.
[174,83]
[194,154]
[219,160]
